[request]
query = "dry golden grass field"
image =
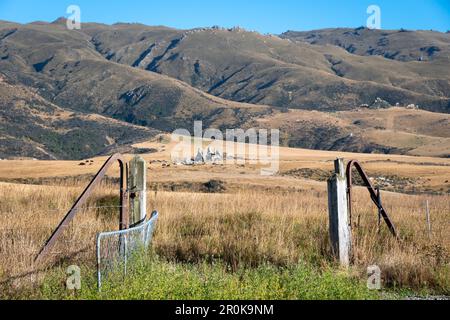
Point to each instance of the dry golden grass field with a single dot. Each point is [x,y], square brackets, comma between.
[250,220]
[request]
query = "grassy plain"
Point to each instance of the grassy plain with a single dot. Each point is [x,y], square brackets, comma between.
[255,237]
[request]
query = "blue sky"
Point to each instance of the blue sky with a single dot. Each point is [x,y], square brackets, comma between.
[265,16]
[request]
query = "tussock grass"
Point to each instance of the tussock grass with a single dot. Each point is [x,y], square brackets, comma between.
[238,237]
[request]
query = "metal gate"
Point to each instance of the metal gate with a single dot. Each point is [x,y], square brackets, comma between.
[115,248]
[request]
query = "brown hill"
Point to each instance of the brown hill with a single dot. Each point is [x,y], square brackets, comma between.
[401,45]
[141,78]
[249,67]
[66,69]
[30,126]
[383,131]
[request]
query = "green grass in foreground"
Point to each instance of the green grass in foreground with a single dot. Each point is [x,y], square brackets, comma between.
[160,280]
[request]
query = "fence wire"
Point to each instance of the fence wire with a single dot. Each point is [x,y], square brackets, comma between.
[114,249]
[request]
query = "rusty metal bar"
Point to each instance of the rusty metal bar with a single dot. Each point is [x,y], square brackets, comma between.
[372,191]
[380,205]
[83,198]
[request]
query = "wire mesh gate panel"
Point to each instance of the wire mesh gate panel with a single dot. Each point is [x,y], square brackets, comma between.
[114,249]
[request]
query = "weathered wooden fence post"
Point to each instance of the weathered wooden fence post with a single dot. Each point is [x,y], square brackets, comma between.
[340,231]
[137,186]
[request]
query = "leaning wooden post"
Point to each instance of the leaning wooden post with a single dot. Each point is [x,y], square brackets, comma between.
[137,186]
[340,231]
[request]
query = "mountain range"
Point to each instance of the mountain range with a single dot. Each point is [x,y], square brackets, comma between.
[72,94]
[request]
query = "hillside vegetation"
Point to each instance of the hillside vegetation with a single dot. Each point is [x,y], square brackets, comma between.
[150,79]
